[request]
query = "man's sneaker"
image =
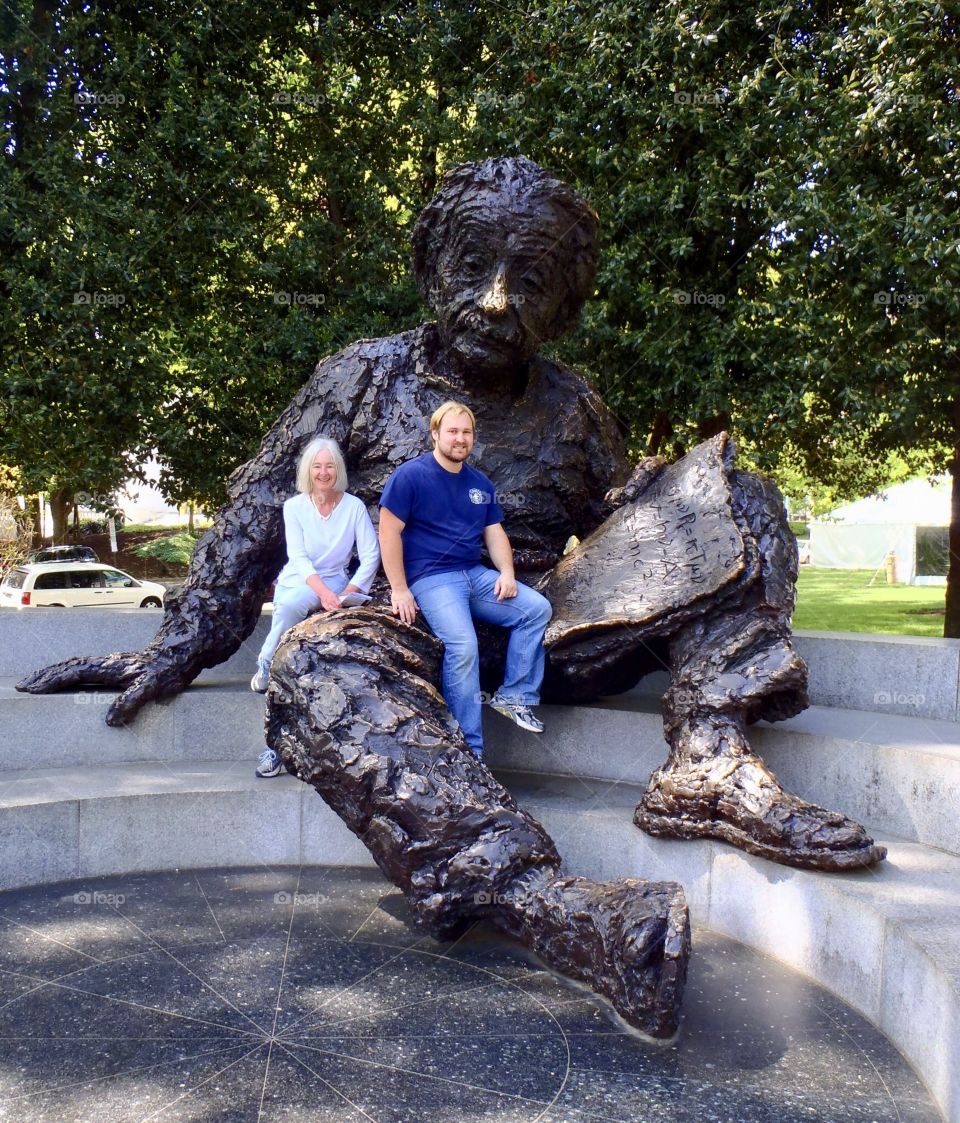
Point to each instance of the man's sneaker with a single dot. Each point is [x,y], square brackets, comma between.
[518,713]
[268,764]
[258,684]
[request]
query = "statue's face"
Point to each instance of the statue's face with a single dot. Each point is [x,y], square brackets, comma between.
[500,282]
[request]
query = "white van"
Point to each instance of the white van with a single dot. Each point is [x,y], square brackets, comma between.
[77,585]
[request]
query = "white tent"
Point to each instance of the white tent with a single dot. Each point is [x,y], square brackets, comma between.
[860,535]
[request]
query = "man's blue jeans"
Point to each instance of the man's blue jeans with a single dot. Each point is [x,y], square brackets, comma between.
[450,602]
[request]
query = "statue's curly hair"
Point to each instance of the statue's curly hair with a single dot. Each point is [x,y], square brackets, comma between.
[527,182]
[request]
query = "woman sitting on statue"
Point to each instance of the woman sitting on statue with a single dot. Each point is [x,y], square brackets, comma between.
[322,524]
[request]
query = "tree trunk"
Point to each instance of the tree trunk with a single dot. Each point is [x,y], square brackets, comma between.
[60,502]
[719,423]
[37,520]
[661,432]
[951,616]
[190,518]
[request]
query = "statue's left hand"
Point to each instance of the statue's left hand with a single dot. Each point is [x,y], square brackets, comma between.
[142,676]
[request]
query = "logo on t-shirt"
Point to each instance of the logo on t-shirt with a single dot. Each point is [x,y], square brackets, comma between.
[478,496]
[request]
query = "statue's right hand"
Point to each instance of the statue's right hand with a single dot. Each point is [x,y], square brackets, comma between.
[141,676]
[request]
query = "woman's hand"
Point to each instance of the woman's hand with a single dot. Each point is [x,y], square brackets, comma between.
[329,600]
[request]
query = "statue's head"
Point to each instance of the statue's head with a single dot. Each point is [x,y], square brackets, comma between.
[505,255]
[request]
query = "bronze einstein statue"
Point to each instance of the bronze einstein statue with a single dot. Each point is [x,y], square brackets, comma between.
[689,566]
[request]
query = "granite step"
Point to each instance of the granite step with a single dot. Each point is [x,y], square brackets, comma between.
[910,675]
[898,775]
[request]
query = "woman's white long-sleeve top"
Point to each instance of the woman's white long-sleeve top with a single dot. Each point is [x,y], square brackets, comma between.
[324,546]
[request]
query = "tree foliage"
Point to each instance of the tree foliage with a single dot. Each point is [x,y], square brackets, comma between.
[776,184]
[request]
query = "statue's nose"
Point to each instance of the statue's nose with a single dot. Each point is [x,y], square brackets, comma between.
[494,301]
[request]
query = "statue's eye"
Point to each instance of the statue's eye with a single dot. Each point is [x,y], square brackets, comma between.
[474,266]
[531,283]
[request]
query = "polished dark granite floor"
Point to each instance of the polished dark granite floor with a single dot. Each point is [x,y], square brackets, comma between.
[296,995]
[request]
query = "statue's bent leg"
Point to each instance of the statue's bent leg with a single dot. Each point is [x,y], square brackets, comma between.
[731,666]
[704,562]
[352,709]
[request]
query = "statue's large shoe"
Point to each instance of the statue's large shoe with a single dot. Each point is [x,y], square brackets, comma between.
[628,940]
[713,786]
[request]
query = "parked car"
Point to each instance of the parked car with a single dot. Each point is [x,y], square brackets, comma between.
[76,585]
[64,553]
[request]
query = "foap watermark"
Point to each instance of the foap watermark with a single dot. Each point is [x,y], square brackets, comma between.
[92,698]
[300,299]
[293,97]
[98,899]
[699,97]
[701,299]
[511,499]
[490,99]
[88,97]
[899,299]
[898,698]
[99,299]
[301,900]
[512,899]
[684,699]
[898,101]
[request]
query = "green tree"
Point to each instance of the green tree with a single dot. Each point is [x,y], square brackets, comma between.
[776,185]
[199,203]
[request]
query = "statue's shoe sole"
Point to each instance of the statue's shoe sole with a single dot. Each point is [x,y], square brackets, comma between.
[668,826]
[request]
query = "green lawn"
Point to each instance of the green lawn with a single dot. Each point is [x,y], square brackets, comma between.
[842,600]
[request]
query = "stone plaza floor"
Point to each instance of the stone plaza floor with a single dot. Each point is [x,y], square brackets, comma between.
[307,994]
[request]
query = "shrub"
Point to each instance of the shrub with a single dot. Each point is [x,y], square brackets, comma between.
[171,549]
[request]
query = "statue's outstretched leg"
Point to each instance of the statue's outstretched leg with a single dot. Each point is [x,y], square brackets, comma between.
[731,666]
[352,709]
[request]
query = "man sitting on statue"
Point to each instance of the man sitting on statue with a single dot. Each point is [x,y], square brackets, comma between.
[435,514]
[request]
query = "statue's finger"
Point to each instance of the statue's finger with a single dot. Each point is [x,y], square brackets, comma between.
[78,671]
[143,690]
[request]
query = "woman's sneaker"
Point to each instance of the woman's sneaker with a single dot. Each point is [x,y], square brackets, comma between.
[258,684]
[518,713]
[268,764]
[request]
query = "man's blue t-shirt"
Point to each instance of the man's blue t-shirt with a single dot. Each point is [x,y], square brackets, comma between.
[444,515]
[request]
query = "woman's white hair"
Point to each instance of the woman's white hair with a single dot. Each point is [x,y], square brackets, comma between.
[320,444]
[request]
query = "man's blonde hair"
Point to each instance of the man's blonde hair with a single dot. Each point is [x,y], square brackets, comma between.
[436,418]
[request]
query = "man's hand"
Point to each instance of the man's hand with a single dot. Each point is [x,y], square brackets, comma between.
[404,605]
[506,586]
[501,554]
[391,555]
